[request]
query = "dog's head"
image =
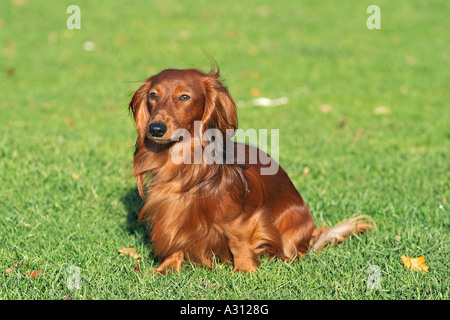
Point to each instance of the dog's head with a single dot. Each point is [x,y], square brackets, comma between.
[175,99]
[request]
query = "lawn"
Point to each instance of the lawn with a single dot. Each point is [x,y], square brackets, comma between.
[365,130]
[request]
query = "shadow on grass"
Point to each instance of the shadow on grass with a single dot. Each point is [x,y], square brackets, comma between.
[132,202]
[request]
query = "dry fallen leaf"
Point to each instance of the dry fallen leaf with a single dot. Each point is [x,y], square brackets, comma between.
[129,252]
[137,269]
[76,298]
[326,108]
[417,264]
[9,271]
[255,92]
[12,268]
[69,122]
[381,110]
[33,274]
[306,171]
[209,285]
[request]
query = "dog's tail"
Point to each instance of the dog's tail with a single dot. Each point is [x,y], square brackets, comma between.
[347,228]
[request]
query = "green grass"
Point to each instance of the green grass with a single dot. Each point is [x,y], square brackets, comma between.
[66,140]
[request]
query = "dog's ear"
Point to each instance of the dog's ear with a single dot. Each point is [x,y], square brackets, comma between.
[220,109]
[139,107]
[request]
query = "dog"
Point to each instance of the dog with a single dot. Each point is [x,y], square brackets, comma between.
[198,209]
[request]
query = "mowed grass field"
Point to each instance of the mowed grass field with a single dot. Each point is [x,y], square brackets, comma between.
[365,130]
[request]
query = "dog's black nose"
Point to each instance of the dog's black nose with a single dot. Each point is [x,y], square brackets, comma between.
[157,129]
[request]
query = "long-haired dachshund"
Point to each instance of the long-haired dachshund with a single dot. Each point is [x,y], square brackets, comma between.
[198,208]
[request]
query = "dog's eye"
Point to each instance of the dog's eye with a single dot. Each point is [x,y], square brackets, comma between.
[184,97]
[153,96]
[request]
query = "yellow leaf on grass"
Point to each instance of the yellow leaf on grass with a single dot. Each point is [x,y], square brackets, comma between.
[417,264]
[129,252]
[255,92]
[306,171]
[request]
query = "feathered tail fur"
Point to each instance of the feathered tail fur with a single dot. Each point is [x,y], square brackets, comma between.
[347,228]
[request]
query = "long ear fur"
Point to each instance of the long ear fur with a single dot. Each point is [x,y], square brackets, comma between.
[138,106]
[220,110]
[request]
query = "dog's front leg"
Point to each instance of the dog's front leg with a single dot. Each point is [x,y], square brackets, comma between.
[172,262]
[244,257]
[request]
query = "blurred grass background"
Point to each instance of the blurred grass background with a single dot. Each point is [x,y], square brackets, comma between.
[368,117]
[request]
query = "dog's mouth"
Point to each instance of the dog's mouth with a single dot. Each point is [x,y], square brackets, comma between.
[160,140]
[173,137]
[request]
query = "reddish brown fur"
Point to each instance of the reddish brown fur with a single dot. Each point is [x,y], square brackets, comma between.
[196,211]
